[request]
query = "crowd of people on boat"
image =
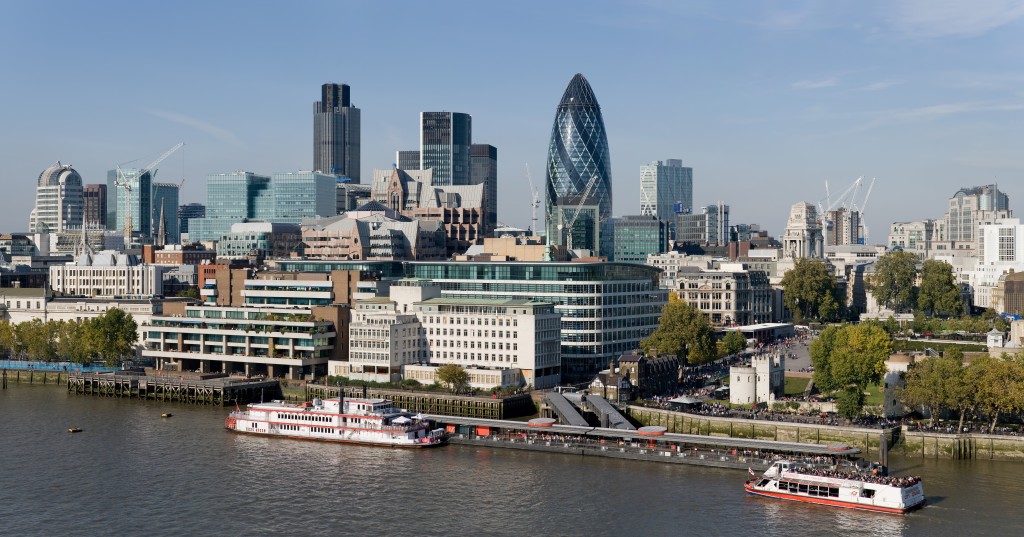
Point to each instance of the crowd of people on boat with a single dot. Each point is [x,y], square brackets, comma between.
[874,476]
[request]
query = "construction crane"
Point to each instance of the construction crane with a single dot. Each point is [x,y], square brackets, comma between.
[576,214]
[534,201]
[124,182]
[848,201]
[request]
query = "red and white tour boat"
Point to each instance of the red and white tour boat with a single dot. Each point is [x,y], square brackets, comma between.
[788,480]
[355,420]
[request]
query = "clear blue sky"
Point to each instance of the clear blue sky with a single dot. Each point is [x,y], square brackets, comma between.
[765,100]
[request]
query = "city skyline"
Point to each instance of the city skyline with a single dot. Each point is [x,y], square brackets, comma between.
[764,101]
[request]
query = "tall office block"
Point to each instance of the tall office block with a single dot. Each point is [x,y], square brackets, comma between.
[187,211]
[445,140]
[708,227]
[165,214]
[578,217]
[407,160]
[638,236]
[94,206]
[336,137]
[666,189]
[299,195]
[58,200]
[133,196]
[484,164]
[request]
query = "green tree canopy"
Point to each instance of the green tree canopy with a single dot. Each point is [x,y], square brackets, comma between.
[938,293]
[734,341]
[939,383]
[893,281]
[112,335]
[850,356]
[683,331]
[453,376]
[810,291]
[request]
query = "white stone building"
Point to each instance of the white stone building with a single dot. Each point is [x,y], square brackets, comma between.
[763,381]
[107,274]
[803,236]
[1002,250]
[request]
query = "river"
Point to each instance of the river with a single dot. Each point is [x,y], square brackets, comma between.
[132,472]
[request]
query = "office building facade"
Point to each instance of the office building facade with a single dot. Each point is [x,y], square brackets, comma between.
[666,189]
[59,201]
[708,227]
[188,211]
[484,164]
[336,133]
[445,146]
[165,214]
[639,236]
[578,158]
[94,206]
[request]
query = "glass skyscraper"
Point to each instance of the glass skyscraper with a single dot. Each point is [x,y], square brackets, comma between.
[485,172]
[577,155]
[165,198]
[140,199]
[336,135]
[445,140]
[666,189]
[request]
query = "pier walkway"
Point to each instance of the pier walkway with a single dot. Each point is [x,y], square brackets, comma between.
[566,412]
[647,445]
[220,391]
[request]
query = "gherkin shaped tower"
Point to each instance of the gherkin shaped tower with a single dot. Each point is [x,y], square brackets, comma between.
[579,176]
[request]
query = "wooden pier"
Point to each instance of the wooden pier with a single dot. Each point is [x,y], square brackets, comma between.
[223,392]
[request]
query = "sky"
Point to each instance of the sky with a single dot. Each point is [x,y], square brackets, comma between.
[767,101]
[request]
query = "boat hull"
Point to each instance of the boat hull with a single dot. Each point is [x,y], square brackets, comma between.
[829,502]
[408,445]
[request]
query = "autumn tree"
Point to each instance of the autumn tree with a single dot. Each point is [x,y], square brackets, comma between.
[939,383]
[850,357]
[810,291]
[893,281]
[683,331]
[453,376]
[938,293]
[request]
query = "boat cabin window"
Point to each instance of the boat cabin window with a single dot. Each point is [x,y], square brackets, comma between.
[763,482]
[867,493]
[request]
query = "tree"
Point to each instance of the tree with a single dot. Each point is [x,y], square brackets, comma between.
[191,292]
[453,376]
[850,357]
[810,291]
[112,335]
[683,331]
[893,280]
[939,383]
[849,402]
[72,344]
[8,341]
[938,293]
[734,342]
[999,384]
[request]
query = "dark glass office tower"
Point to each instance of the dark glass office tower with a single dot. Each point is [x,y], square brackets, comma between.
[336,133]
[485,172]
[94,206]
[578,216]
[445,140]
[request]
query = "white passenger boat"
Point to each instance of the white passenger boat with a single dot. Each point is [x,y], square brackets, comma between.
[867,491]
[355,420]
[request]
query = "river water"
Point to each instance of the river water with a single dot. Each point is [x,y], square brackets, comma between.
[132,472]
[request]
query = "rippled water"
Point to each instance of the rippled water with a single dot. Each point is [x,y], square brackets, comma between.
[131,471]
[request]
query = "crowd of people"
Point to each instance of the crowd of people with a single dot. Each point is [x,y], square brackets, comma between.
[868,477]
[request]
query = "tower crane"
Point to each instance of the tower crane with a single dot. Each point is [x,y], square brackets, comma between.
[576,214]
[534,201]
[124,182]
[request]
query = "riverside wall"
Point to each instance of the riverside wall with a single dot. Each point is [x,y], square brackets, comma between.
[961,446]
[867,440]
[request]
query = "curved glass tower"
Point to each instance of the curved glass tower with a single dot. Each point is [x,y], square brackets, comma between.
[579,178]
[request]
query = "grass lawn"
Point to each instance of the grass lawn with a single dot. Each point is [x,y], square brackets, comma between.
[796,386]
[874,395]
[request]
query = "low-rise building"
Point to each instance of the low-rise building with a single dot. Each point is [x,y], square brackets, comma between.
[107,274]
[763,381]
[650,375]
[732,294]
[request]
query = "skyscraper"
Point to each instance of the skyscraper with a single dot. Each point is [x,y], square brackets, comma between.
[484,164]
[58,200]
[94,206]
[666,189]
[445,140]
[407,160]
[336,133]
[135,199]
[578,158]
[187,211]
[165,214]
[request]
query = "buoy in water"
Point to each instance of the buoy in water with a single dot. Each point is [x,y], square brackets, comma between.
[166,415]
[74,430]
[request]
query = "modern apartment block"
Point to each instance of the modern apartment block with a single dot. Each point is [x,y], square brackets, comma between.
[284,328]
